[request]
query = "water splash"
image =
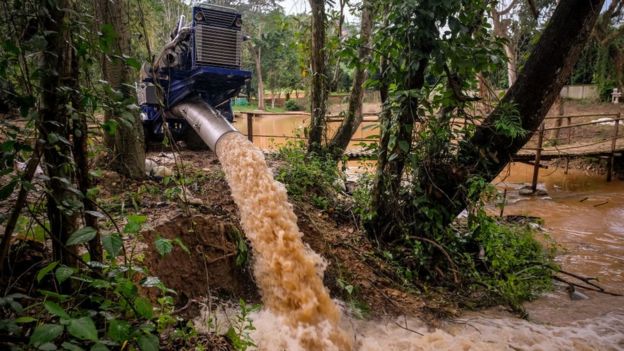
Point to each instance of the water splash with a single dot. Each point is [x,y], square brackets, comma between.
[300,314]
[485,333]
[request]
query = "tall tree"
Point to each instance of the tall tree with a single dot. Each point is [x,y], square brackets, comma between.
[501,21]
[608,36]
[354,116]
[126,140]
[441,188]
[319,88]
[53,125]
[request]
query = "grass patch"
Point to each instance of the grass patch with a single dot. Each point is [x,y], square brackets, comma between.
[254,107]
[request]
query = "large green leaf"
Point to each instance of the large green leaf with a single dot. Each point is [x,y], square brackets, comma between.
[45,333]
[99,347]
[83,328]
[71,347]
[144,307]
[134,224]
[81,236]
[163,246]
[119,330]
[112,244]
[7,190]
[25,319]
[55,309]
[63,273]
[148,342]
[48,346]
[45,270]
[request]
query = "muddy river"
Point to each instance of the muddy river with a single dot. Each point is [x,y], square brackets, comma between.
[582,213]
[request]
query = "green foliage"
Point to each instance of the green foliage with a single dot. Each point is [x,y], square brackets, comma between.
[500,262]
[510,122]
[240,330]
[307,176]
[291,105]
[81,236]
[165,246]
[514,266]
[242,248]
[105,309]
[362,198]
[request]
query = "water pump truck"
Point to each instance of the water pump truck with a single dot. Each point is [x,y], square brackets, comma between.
[193,80]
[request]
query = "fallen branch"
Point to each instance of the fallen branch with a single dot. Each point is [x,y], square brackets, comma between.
[592,287]
[406,328]
[587,280]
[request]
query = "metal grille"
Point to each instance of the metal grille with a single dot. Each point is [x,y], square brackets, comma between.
[218,18]
[216,46]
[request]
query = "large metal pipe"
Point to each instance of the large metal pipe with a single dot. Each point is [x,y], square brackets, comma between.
[207,122]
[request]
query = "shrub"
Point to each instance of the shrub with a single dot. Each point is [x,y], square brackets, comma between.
[291,105]
[307,176]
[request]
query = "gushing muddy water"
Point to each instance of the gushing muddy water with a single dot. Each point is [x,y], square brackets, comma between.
[299,313]
[582,213]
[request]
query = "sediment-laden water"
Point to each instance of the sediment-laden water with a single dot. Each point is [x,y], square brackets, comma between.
[583,214]
[481,333]
[299,313]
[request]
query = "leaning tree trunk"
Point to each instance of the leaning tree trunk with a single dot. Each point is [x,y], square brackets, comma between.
[53,124]
[543,76]
[318,91]
[126,145]
[353,119]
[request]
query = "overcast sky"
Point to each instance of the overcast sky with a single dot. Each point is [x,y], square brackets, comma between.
[293,7]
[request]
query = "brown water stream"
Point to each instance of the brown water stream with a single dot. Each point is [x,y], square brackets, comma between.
[299,314]
[582,212]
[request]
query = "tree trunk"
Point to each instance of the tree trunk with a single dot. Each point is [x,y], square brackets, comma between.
[318,90]
[257,54]
[126,146]
[500,30]
[53,125]
[546,71]
[512,64]
[341,18]
[392,158]
[353,119]
[80,133]
[144,27]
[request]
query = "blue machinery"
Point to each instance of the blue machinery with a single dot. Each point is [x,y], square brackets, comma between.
[194,78]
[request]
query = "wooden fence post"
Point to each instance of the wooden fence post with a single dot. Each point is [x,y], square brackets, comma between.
[613,147]
[559,120]
[250,126]
[538,157]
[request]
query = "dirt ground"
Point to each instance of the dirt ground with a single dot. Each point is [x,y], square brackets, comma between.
[206,221]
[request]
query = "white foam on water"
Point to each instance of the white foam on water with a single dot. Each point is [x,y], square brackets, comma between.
[489,333]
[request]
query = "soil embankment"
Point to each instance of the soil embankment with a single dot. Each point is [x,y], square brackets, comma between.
[213,236]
